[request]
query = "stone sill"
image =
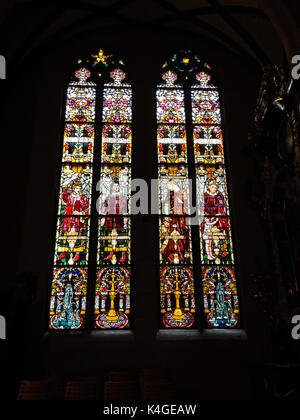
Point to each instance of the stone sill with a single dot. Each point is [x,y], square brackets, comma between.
[212,335]
[161,335]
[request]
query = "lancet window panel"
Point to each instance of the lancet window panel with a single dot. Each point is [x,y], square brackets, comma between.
[177,300]
[219,285]
[71,256]
[112,292]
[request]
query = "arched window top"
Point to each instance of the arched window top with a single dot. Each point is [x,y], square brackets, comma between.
[98,67]
[189,68]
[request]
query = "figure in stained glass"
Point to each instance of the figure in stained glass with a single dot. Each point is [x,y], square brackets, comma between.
[212,191]
[114,190]
[67,313]
[214,203]
[76,203]
[114,235]
[220,297]
[68,298]
[75,189]
[175,241]
[176,199]
[116,202]
[216,246]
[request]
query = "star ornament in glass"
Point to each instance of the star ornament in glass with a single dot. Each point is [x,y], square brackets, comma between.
[100,57]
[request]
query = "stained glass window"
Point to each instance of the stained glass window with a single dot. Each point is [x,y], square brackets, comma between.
[112,294]
[189,121]
[177,301]
[98,124]
[86,101]
[70,273]
[221,304]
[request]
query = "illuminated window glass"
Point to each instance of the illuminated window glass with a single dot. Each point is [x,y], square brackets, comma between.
[190,114]
[87,97]
[112,301]
[177,299]
[221,305]
[70,274]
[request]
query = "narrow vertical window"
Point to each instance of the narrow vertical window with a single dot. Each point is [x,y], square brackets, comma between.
[112,294]
[221,306]
[176,271]
[70,274]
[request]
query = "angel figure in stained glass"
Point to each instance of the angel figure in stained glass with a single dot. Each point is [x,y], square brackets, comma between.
[175,240]
[176,200]
[116,205]
[76,204]
[214,230]
[214,202]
